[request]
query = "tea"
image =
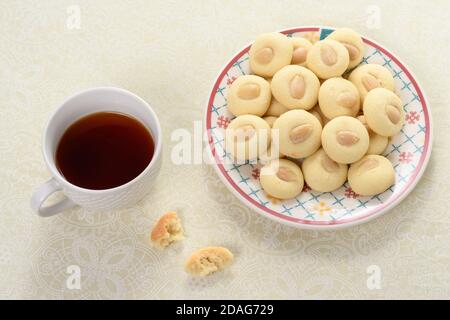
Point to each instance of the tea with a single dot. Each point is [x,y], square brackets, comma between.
[104,150]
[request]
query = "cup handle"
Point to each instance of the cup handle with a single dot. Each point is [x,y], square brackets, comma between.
[42,193]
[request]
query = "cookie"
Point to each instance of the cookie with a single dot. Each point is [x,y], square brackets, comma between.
[338,97]
[249,94]
[377,143]
[345,139]
[370,76]
[371,175]
[269,53]
[167,230]
[327,59]
[295,87]
[208,260]
[246,137]
[322,174]
[299,133]
[383,111]
[352,41]
[276,109]
[301,47]
[281,179]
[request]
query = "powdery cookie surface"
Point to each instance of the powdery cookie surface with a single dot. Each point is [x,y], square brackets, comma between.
[323,174]
[345,139]
[299,133]
[208,260]
[352,41]
[338,97]
[281,179]
[383,111]
[246,137]
[372,175]
[327,59]
[301,47]
[167,229]
[295,87]
[249,94]
[269,53]
[370,76]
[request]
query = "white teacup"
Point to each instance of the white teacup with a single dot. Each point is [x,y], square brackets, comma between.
[77,106]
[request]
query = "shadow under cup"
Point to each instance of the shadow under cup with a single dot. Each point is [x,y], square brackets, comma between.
[94,101]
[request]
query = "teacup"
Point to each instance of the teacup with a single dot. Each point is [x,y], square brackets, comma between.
[103,99]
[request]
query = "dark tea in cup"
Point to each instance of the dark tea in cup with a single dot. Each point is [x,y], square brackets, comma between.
[104,150]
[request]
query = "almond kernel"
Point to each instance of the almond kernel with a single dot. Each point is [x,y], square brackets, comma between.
[301,133]
[248,91]
[329,165]
[353,51]
[299,55]
[264,56]
[393,113]
[347,138]
[297,87]
[328,55]
[286,174]
[347,99]
[370,82]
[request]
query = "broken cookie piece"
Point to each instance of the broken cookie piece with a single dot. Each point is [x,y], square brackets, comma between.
[208,260]
[167,230]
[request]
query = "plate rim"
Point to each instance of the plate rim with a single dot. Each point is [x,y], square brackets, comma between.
[327,225]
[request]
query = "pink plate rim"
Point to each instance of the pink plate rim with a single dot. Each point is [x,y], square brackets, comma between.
[323,225]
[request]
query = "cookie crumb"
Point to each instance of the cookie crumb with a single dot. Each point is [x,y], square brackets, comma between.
[208,260]
[167,230]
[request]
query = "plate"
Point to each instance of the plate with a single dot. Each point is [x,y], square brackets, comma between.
[409,151]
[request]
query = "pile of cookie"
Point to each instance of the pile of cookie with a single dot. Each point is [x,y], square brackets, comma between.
[309,115]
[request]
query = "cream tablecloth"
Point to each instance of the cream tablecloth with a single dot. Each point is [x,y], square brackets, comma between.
[169,53]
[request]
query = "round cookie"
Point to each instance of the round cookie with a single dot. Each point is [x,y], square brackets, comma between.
[338,97]
[295,87]
[281,179]
[299,133]
[371,175]
[246,137]
[270,120]
[345,139]
[249,94]
[383,111]
[327,59]
[276,109]
[269,53]
[352,41]
[377,143]
[371,76]
[323,174]
[301,47]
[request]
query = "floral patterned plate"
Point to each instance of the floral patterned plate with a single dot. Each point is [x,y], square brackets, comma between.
[409,151]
